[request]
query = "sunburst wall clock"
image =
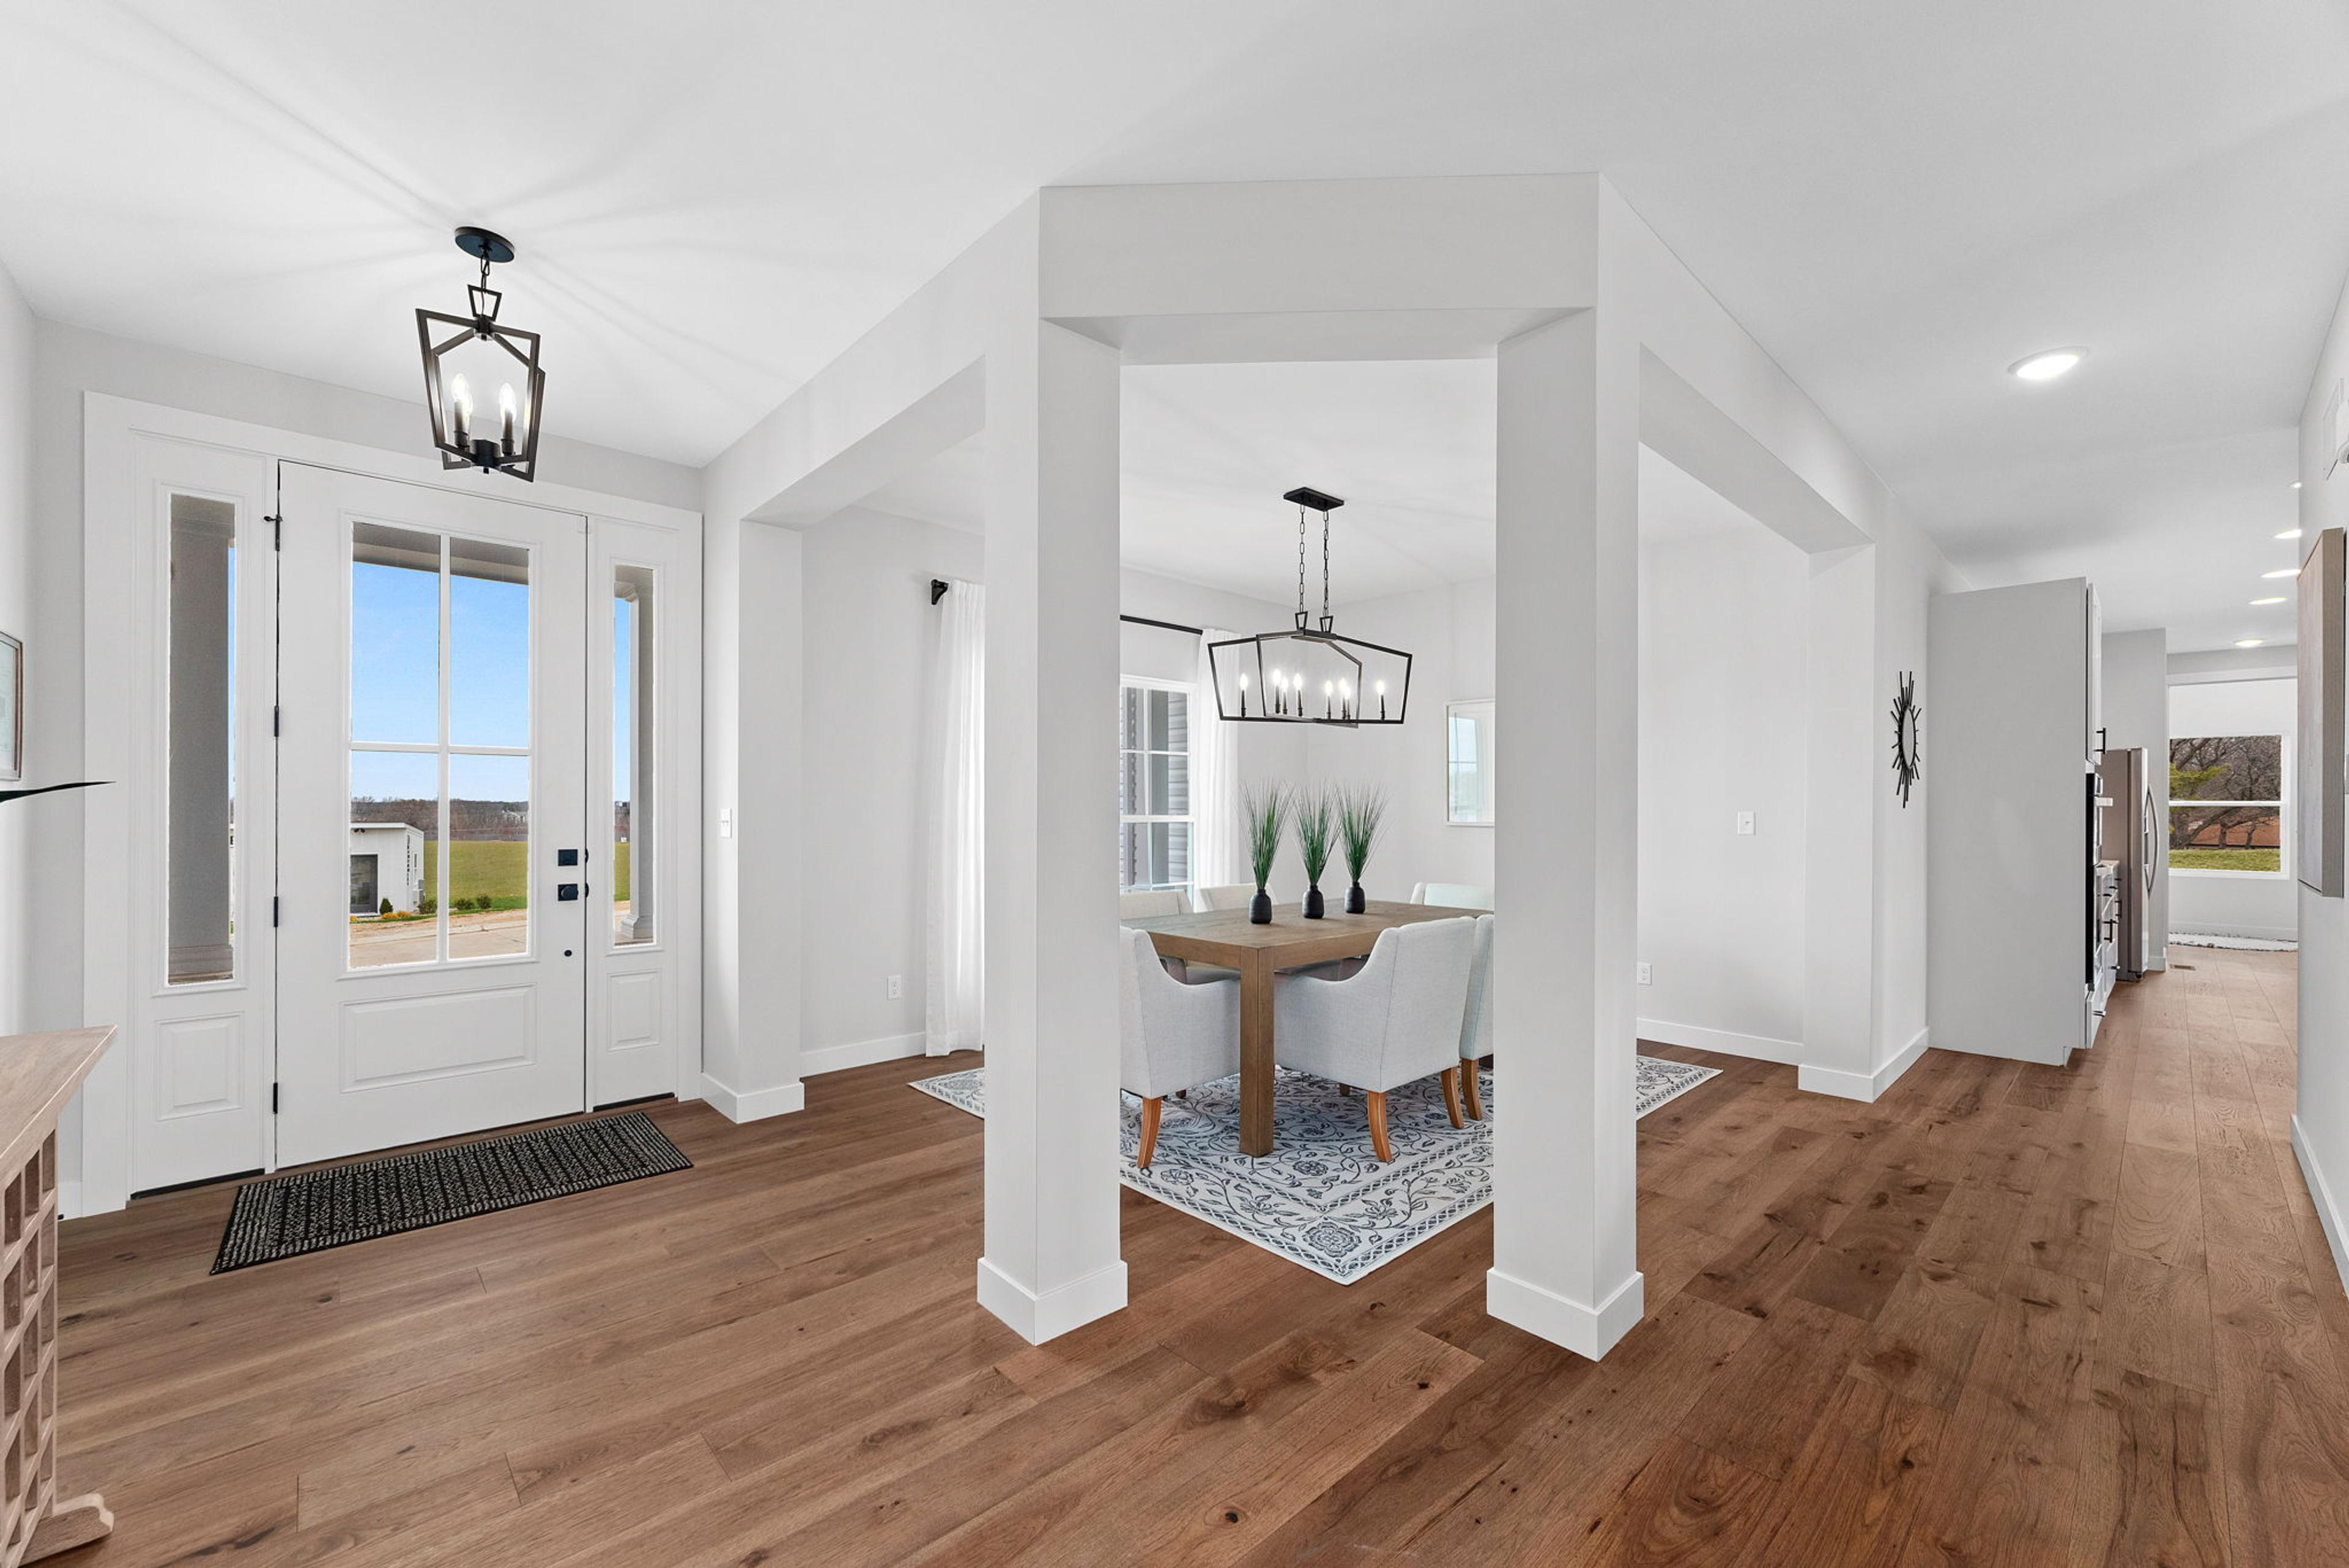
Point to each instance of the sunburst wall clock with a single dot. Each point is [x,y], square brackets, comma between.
[1908,752]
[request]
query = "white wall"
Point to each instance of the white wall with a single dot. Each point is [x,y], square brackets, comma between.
[1722,701]
[2136,717]
[2237,903]
[869,637]
[1448,631]
[2320,1124]
[19,820]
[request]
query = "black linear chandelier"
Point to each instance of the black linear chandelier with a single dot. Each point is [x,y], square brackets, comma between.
[1309,674]
[476,351]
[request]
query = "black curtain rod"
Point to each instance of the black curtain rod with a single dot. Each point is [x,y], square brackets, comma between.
[938,586]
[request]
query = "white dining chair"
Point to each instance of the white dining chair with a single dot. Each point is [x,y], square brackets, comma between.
[1144,903]
[1171,1037]
[1476,1025]
[1393,1023]
[1452,895]
[1230,895]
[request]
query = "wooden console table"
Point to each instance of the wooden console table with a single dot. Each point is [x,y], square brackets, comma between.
[39,1074]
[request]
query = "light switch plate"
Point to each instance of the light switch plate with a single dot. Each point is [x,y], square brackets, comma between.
[1745,822]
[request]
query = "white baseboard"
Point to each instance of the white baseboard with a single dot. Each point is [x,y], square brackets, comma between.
[753,1104]
[1035,1318]
[1587,1331]
[2328,1212]
[862,1052]
[1868,1087]
[1761,1047]
[2264,933]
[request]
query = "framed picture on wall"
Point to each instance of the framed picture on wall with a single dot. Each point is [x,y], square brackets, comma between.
[1468,763]
[12,708]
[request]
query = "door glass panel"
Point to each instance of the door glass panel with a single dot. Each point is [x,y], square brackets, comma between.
[200,835]
[489,644]
[395,832]
[489,856]
[632,755]
[394,635]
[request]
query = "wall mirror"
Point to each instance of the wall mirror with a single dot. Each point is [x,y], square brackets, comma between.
[1468,761]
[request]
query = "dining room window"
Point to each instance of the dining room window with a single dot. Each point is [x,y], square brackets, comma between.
[1153,785]
[2227,804]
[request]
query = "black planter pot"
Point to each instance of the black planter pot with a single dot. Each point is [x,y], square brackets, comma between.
[1357,902]
[1260,909]
[1313,908]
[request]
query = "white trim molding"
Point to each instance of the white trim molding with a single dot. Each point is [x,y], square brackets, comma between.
[861,1053]
[753,1104]
[1728,1042]
[1585,1330]
[1865,1086]
[1037,1318]
[2328,1212]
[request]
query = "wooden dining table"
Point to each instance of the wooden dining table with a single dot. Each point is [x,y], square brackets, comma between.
[1226,937]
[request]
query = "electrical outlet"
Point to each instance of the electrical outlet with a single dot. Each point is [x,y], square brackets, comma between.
[896,988]
[1647,974]
[1745,822]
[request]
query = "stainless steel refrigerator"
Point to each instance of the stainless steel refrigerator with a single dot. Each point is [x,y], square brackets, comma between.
[2128,826]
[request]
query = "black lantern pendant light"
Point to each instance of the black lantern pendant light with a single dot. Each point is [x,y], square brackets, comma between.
[1309,674]
[465,357]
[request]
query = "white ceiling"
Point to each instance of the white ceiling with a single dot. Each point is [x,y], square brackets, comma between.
[713,199]
[1207,452]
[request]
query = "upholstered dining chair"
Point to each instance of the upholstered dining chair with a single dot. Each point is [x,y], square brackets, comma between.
[1395,1022]
[1230,895]
[1143,904]
[1452,895]
[1476,1025]
[1170,1037]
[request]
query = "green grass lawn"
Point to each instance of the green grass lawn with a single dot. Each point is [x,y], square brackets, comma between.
[2226,860]
[498,870]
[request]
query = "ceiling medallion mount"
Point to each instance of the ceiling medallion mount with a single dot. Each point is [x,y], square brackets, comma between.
[1309,674]
[461,351]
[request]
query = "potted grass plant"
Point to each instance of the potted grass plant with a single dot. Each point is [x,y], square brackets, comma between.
[1266,811]
[1317,823]
[1359,812]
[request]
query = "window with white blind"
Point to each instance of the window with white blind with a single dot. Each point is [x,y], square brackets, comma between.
[1153,785]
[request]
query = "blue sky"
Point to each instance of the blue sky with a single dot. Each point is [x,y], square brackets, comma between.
[396,678]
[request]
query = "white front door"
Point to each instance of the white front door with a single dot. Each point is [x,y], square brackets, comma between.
[433,863]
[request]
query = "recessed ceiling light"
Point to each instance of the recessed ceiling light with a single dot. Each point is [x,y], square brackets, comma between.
[2249,641]
[2283,572]
[2271,599]
[2288,533]
[2046,365]
[2295,484]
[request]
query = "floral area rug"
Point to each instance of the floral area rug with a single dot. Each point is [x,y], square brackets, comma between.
[1322,1199]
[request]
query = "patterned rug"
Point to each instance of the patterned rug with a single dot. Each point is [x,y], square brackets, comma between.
[1322,1198]
[310,1211]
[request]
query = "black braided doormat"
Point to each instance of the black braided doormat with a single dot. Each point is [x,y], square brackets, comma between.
[311,1211]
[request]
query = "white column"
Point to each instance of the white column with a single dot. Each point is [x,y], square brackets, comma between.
[1052,1261]
[1565,843]
[1846,747]
[754,673]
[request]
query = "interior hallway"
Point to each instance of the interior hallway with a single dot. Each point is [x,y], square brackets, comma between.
[1987,1318]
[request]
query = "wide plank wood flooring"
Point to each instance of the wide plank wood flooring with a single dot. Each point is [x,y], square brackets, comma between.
[2007,1314]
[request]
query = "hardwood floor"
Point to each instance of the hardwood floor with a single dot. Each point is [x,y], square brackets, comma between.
[2007,1314]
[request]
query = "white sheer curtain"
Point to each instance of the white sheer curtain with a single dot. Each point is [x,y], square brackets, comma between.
[1216,859]
[957,915]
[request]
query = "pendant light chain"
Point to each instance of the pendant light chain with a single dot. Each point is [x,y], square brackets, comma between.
[1300,568]
[1325,571]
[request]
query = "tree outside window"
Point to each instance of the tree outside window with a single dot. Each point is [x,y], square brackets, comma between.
[2227,797]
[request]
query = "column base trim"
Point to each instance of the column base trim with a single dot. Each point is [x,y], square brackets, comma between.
[1587,1331]
[1037,1318]
[2328,1212]
[753,1104]
[1866,1087]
